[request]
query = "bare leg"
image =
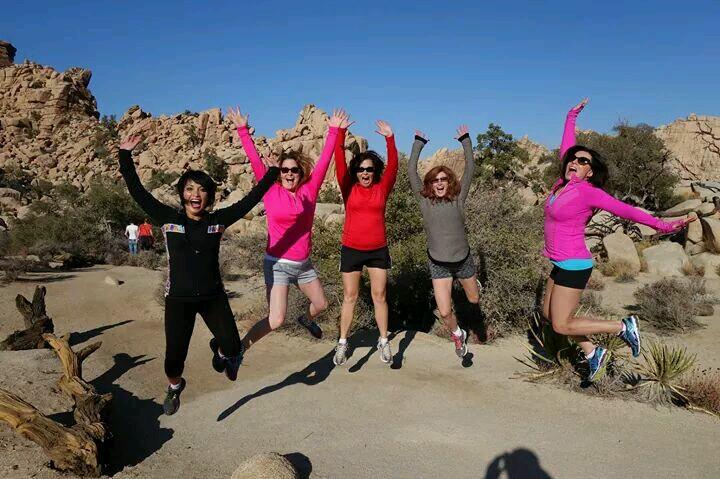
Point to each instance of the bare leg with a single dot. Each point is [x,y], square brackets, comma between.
[470,286]
[563,303]
[314,292]
[443,298]
[351,290]
[378,286]
[277,295]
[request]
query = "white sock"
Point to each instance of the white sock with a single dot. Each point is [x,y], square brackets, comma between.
[589,356]
[624,328]
[175,387]
[342,341]
[458,332]
[383,341]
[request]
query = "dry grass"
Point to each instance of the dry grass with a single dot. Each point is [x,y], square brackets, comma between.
[595,284]
[670,305]
[702,390]
[622,271]
[693,270]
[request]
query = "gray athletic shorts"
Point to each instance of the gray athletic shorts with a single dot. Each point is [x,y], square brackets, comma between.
[283,271]
[461,270]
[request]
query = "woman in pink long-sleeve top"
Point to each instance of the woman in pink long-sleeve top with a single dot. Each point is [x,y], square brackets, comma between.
[290,209]
[572,201]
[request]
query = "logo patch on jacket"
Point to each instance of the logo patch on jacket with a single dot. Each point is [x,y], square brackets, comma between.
[173,228]
[216,228]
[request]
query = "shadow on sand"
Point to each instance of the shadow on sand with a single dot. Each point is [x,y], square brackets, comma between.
[301,462]
[134,422]
[78,338]
[517,464]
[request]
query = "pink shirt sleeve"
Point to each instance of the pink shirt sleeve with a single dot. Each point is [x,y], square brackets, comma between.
[568,137]
[322,165]
[249,146]
[597,198]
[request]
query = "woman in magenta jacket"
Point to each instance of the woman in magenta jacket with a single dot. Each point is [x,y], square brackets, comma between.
[572,201]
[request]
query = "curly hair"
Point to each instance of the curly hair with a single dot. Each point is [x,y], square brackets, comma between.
[453,188]
[304,163]
[357,160]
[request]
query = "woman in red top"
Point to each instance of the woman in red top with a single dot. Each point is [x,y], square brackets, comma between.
[365,189]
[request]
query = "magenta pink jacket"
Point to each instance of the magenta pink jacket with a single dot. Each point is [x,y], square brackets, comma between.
[574,205]
[290,215]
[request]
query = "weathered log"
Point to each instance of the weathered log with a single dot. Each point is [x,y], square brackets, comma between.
[36,323]
[76,449]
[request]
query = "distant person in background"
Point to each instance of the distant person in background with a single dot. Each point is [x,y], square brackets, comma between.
[131,233]
[146,238]
[573,200]
[442,202]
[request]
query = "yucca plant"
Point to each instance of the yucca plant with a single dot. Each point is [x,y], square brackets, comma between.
[660,373]
[549,353]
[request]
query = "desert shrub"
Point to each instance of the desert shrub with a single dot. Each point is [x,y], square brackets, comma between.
[590,300]
[507,240]
[623,271]
[330,195]
[660,372]
[215,166]
[17,179]
[241,252]
[595,284]
[639,165]
[693,270]
[671,305]
[701,388]
[159,178]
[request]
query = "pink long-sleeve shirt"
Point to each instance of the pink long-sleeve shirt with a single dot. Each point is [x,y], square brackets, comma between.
[574,205]
[290,214]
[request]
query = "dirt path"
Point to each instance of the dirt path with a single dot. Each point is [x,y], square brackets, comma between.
[426,417]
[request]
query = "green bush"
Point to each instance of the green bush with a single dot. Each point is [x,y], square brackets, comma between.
[498,154]
[215,166]
[160,178]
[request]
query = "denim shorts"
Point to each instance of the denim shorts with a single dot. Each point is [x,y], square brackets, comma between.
[285,271]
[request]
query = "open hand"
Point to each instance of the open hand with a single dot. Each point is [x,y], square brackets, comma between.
[462,131]
[340,119]
[421,135]
[271,160]
[235,116]
[130,142]
[581,105]
[383,128]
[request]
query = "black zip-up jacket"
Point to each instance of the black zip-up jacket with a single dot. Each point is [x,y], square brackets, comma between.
[192,246]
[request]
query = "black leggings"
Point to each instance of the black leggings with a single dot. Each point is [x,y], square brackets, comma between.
[179,323]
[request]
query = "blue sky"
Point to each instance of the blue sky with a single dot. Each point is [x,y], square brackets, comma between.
[427,65]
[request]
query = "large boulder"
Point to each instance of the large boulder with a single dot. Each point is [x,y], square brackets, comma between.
[323,210]
[269,465]
[7,54]
[711,233]
[709,262]
[665,259]
[621,249]
[695,231]
[687,206]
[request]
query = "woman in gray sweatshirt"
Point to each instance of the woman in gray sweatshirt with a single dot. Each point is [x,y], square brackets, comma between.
[442,201]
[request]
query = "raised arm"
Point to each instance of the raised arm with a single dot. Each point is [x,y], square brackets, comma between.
[415,181]
[318,174]
[341,169]
[241,124]
[237,210]
[568,137]
[597,198]
[391,168]
[463,136]
[147,202]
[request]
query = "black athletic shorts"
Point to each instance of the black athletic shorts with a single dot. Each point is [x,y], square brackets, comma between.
[352,259]
[576,279]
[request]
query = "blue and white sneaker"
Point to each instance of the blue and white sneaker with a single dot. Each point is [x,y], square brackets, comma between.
[598,363]
[631,335]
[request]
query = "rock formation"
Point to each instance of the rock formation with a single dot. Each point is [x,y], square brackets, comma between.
[695,143]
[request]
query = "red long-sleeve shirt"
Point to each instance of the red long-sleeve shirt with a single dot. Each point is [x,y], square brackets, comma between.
[364,227]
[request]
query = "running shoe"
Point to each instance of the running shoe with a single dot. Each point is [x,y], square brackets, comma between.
[172,399]
[461,348]
[385,352]
[340,351]
[310,325]
[232,364]
[218,363]
[631,335]
[598,363]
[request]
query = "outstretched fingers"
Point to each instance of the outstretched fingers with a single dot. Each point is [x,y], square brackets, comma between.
[383,128]
[130,142]
[581,105]
[420,134]
[462,131]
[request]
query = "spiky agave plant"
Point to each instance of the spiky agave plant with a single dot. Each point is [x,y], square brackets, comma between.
[549,353]
[660,372]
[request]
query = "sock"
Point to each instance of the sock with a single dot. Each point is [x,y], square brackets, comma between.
[175,387]
[342,341]
[624,328]
[458,332]
[383,341]
[590,356]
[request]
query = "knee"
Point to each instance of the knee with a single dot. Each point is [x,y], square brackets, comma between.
[321,306]
[350,297]
[378,296]
[444,311]
[473,298]
[561,327]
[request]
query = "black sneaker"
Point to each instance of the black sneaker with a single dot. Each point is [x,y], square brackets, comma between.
[172,399]
[218,363]
[232,364]
[310,325]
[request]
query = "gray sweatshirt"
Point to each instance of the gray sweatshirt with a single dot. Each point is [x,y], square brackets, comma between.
[444,220]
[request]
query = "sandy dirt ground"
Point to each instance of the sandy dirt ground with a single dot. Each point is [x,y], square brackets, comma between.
[426,416]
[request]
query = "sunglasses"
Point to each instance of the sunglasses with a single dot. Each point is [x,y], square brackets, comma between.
[293,169]
[443,179]
[581,160]
[368,169]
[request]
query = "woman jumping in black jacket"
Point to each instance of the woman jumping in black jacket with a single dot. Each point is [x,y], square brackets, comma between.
[192,238]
